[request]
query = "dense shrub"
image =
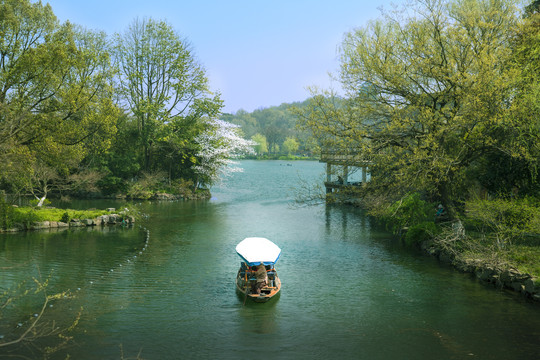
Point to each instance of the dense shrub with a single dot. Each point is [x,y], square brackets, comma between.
[182,187]
[6,213]
[65,218]
[421,232]
[408,211]
[138,191]
[505,220]
[111,185]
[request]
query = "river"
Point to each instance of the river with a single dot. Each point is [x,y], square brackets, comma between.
[349,290]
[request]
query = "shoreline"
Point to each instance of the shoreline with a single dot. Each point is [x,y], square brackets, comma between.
[102,220]
[499,275]
[482,263]
[495,275]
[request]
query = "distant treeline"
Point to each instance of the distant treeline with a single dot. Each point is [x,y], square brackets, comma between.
[274,130]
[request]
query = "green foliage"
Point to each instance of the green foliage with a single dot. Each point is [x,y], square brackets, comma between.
[526,258]
[6,213]
[409,211]
[262,146]
[57,117]
[182,187]
[290,145]
[34,202]
[111,185]
[26,216]
[145,187]
[138,191]
[167,91]
[506,221]
[65,218]
[421,232]
[55,97]
[275,124]
[425,112]
[322,117]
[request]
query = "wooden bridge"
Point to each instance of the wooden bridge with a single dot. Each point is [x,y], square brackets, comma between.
[339,178]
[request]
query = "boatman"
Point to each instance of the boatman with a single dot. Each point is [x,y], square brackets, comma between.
[262,278]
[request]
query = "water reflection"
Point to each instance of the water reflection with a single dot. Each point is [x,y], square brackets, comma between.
[351,219]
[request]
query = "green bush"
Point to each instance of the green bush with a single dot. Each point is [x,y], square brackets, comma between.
[407,212]
[507,220]
[182,187]
[6,214]
[137,191]
[65,218]
[26,216]
[421,232]
[111,185]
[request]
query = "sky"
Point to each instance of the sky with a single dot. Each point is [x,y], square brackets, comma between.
[256,53]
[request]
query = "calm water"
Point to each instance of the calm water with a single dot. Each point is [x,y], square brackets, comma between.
[348,292]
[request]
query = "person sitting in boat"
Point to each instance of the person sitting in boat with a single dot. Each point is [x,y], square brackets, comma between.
[262,278]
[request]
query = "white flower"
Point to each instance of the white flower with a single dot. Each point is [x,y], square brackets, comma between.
[219,143]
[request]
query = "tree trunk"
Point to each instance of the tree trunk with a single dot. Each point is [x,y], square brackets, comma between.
[41,200]
[448,204]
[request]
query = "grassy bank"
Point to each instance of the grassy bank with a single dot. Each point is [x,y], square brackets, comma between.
[20,218]
[28,214]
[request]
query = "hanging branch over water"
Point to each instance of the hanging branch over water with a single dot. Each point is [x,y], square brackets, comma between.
[37,327]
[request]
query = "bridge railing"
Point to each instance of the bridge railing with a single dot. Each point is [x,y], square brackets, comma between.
[351,157]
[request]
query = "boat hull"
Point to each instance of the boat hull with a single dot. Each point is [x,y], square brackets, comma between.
[244,285]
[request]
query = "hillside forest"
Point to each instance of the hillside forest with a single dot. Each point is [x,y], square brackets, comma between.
[275,133]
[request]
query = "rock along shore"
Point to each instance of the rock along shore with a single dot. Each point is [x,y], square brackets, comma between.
[499,276]
[103,220]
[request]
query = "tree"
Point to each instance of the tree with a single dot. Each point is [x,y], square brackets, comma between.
[261,146]
[55,93]
[275,123]
[533,7]
[54,79]
[428,92]
[163,86]
[515,170]
[28,64]
[274,129]
[290,145]
[249,123]
[218,144]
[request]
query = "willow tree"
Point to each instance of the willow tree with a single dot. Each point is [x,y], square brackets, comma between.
[261,146]
[428,90]
[163,86]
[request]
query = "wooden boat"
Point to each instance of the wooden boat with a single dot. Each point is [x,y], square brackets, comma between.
[255,251]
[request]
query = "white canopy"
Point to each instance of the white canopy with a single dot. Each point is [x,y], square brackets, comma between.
[254,250]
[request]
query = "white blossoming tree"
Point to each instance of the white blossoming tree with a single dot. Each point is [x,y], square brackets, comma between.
[219,144]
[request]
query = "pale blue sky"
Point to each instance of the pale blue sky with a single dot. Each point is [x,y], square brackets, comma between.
[256,53]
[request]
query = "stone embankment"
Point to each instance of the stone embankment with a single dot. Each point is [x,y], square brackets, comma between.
[202,195]
[503,277]
[103,220]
